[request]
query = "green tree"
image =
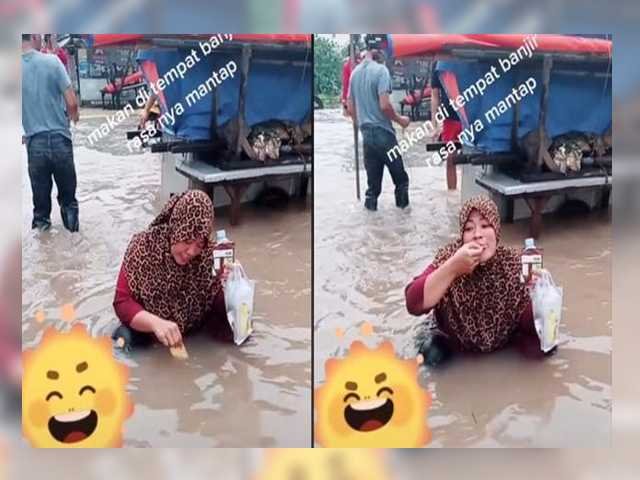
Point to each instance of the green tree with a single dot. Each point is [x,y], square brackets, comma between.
[327,64]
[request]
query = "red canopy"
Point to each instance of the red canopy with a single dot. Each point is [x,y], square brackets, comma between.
[112,40]
[131,79]
[406,45]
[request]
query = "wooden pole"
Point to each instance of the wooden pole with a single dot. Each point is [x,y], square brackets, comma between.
[352,54]
[244,75]
[213,128]
[514,127]
[75,60]
[544,104]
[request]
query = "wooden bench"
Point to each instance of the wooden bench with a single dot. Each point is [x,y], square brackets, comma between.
[204,176]
[536,194]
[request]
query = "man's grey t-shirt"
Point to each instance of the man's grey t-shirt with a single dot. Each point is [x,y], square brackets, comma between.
[44,81]
[368,81]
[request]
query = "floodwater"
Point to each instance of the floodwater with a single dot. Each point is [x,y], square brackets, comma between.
[223,395]
[363,260]
[398,464]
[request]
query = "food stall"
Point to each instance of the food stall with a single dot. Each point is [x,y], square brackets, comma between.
[552,142]
[237,134]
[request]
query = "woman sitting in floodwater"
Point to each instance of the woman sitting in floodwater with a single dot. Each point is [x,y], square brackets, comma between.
[166,284]
[474,286]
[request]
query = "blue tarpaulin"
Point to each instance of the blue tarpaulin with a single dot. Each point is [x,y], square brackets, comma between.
[577,101]
[275,90]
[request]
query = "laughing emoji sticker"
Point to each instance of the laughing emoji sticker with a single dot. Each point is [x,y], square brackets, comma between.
[73,392]
[371,399]
[323,464]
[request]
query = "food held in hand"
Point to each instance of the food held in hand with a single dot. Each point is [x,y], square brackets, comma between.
[179,352]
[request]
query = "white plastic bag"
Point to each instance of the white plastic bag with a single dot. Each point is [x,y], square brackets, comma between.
[546,299]
[238,297]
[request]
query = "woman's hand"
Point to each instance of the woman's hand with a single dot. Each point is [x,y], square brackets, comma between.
[167,332]
[144,116]
[224,275]
[467,258]
[535,276]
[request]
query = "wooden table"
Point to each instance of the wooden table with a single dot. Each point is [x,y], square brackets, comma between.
[236,182]
[536,194]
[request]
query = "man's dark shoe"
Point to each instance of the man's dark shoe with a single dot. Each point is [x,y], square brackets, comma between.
[371,204]
[70,218]
[41,225]
[402,198]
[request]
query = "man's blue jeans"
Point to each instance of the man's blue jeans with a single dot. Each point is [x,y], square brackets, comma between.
[51,156]
[377,141]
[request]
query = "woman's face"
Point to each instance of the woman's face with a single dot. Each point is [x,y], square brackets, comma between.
[184,252]
[479,230]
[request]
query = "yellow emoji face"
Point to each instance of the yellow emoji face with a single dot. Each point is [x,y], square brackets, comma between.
[73,392]
[371,398]
[323,464]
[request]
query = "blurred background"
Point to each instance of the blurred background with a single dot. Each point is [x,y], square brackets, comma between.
[322,16]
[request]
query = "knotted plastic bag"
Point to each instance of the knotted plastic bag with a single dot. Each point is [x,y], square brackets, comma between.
[546,299]
[238,296]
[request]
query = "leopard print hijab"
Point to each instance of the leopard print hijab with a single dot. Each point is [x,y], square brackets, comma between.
[181,294]
[483,308]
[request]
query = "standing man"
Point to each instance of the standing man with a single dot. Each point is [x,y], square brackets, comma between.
[36,41]
[369,90]
[347,70]
[48,103]
[51,46]
[450,128]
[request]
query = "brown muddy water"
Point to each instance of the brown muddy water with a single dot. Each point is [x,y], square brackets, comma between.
[254,395]
[319,464]
[363,260]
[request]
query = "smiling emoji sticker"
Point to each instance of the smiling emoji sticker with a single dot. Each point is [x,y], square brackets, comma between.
[73,392]
[371,398]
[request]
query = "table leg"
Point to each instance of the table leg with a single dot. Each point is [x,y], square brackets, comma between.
[604,201]
[509,218]
[303,186]
[536,205]
[235,192]
[195,184]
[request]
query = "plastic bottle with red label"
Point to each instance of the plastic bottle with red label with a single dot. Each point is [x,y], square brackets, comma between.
[224,252]
[531,261]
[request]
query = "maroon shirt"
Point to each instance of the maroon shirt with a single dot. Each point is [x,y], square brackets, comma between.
[60,53]
[528,341]
[127,306]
